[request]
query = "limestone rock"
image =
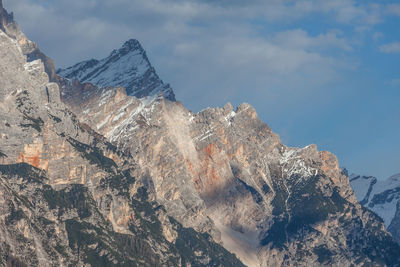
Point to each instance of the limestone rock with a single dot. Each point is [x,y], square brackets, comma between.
[68,197]
[224,172]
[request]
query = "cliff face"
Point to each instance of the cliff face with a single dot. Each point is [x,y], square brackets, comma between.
[28,48]
[224,172]
[131,177]
[67,195]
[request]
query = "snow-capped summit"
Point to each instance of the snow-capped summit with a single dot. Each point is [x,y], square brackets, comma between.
[128,67]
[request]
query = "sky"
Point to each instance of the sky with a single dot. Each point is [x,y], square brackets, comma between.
[317,72]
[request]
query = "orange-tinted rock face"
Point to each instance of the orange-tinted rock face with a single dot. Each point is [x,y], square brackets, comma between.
[212,171]
[330,166]
[32,155]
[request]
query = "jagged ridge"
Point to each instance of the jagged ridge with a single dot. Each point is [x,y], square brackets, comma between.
[128,67]
[221,171]
[68,196]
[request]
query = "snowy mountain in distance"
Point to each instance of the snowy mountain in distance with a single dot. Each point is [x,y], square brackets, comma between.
[380,196]
[128,67]
[362,186]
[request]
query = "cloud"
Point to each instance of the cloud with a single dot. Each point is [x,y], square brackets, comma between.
[208,49]
[393,9]
[300,39]
[390,48]
[394,83]
[376,36]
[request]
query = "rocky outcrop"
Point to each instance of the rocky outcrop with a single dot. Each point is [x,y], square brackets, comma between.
[5,18]
[134,178]
[29,48]
[224,172]
[68,197]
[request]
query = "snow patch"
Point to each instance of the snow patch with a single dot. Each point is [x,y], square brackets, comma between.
[105,97]
[229,117]
[293,164]
[104,122]
[33,65]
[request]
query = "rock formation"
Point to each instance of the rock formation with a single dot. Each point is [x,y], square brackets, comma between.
[224,172]
[128,67]
[68,197]
[114,171]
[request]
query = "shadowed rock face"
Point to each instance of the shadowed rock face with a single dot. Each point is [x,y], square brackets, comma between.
[5,18]
[68,197]
[224,172]
[132,195]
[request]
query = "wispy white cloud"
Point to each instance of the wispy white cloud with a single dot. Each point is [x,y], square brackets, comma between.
[376,36]
[390,48]
[300,39]
[393,9]
[205,47]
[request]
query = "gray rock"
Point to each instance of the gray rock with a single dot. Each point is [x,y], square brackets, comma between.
[68,197]
[224,172]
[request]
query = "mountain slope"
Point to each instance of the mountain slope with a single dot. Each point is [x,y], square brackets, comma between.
[224,172]
[69,197]
[72,197]
[128,67]
[382,197]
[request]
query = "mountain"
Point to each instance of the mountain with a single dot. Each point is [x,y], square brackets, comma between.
[224,172]
[68,197]
[382,197]
[128,67]
[121,174]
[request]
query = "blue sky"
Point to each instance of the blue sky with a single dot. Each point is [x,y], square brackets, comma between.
[317,71]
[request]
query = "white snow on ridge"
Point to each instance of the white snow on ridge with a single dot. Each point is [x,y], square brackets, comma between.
[297,166]
[126,67]
[386,210]
[229,117]
[33,65]
[120,72]
[101,124]
[79,69]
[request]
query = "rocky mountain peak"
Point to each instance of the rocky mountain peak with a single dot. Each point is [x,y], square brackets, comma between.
[130,178]
[5,17]
[67,196]
[127,66]
[133,44]
[28,48]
